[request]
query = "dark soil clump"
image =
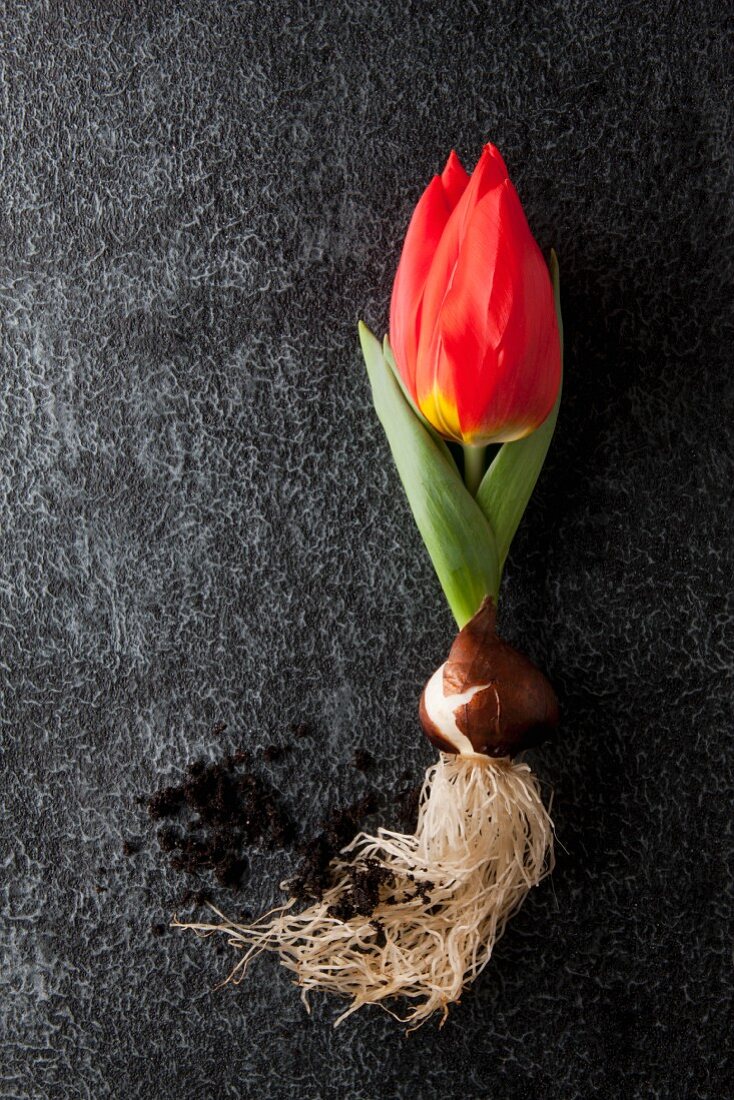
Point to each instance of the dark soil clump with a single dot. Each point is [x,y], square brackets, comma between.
[165,802]
[363,892]
[380,937]
[235,801]
[221,809]
[169,839]
[362,760]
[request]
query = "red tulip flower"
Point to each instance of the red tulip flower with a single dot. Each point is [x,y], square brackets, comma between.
[473,325]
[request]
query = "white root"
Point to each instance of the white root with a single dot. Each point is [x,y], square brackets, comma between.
[482,840]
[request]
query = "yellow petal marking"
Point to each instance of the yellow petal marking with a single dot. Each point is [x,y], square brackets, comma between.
[440,411]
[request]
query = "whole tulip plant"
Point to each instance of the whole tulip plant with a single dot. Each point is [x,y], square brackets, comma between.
[473,360]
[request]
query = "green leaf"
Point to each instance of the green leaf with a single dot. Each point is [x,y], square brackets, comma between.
[457,536]
[509,482]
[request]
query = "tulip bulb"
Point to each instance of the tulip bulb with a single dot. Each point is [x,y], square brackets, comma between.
[487,698]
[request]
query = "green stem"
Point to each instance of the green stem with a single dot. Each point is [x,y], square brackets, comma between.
[474,467]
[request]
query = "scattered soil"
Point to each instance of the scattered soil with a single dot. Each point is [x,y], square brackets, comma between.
[362,760]
[208,822]
[314,874]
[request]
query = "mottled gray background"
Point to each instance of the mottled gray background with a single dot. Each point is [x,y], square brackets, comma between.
[200,522]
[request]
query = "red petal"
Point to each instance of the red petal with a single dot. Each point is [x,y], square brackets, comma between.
[489,174]
[454,179]
[424,233]
[476,308]
[509,388]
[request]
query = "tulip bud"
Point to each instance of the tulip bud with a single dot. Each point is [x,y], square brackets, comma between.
[473,325]
[487,697]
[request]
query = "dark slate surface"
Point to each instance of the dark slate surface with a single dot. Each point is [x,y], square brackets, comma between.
[200,522]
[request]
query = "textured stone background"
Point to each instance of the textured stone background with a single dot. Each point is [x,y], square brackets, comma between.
[200,522]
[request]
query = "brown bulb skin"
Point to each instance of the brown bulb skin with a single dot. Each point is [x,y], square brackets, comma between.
[519,708]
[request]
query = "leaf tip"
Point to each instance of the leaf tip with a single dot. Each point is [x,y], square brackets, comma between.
[367,339]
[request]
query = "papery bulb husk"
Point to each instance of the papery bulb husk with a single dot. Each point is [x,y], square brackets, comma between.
[483,839]
[504,704]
